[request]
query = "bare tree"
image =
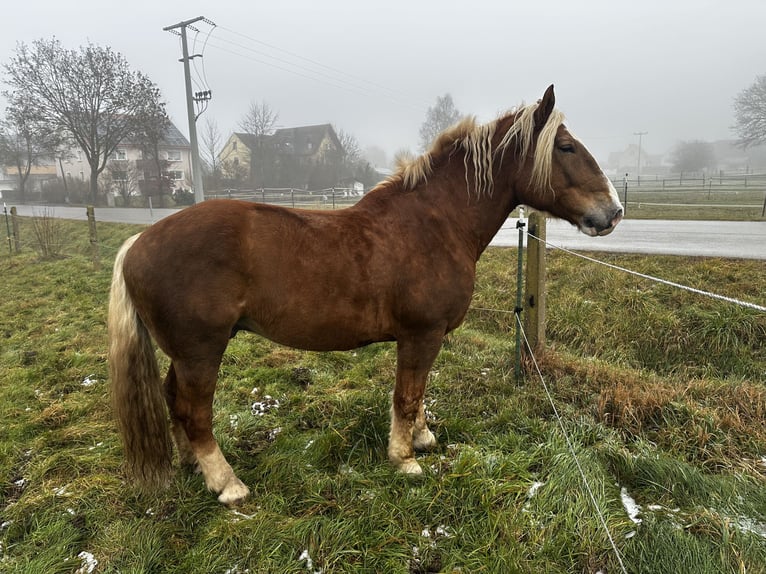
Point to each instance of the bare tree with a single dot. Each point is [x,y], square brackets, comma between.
[150,133]
[351,150]
[25,141]
[439,117]
[123,178]
[91,93]
[211,147]
[750,113]
[259,121]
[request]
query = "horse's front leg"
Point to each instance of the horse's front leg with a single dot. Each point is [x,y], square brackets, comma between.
[415,356]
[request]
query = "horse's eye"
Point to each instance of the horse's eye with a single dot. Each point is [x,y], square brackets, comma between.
[567,148]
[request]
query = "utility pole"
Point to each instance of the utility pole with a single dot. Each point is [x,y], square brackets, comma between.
[638,163]
[199,191]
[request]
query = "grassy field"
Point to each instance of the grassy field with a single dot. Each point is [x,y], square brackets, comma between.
[654,203]
[661,393]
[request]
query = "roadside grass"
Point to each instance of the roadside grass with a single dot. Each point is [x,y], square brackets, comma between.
[661,393]
[695,204]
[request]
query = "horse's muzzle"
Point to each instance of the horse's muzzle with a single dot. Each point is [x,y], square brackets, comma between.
[598,227]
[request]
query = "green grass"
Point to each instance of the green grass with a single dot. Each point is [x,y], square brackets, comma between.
[661,393]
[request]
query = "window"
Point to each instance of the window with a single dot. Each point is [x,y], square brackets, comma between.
[174,155]
[119,175]
[234,146]
[120,154]
[174,175]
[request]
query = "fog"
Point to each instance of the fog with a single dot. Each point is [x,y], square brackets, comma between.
[670,69]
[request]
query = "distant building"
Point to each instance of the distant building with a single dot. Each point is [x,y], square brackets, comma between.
[305,157]
[129,171]
[130,164]
[626,161]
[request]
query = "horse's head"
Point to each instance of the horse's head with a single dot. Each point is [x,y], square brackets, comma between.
[561,177]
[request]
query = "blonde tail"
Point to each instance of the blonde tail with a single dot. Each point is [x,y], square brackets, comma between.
[136,388]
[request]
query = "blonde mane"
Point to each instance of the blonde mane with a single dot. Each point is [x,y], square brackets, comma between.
[475,140]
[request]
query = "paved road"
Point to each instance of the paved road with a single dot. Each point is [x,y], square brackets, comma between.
[731,239]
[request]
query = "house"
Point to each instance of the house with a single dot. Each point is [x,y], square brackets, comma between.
[132,170]
[306,157]
[39,175]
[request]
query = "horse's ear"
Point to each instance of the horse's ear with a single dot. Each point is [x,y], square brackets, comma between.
[545,107]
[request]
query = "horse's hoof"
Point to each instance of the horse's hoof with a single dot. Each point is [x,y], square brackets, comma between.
[234,494]
[409,466]
[424,441]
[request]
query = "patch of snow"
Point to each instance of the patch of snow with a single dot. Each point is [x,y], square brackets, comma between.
[306,557]
[89,563]
[536,485]
[260,408]
[89,381]
[242,515]
[747,524]
[630,505]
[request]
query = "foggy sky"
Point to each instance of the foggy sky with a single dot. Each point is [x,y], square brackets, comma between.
[669,68]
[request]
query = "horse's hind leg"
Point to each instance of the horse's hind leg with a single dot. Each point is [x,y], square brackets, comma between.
[192,412]
[185,451]
[422,437]
[408,423]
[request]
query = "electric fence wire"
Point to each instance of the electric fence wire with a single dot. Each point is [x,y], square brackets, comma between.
[656,279]
[571,448]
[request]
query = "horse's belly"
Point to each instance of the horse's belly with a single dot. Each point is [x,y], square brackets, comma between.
[317,333]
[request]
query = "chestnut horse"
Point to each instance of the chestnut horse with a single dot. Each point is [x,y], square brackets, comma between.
[397,266]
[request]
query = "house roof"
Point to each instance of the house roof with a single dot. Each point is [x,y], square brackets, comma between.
[174,137]
[301,140]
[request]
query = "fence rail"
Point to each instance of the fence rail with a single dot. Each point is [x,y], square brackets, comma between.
[330,198]
[735,191]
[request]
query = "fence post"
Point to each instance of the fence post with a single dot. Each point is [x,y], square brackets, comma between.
[519,308]
[8,227]
[625,200]
[534,300]
[93,236]
[15,226]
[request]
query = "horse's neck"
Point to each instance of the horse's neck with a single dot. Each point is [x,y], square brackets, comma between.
[479,216]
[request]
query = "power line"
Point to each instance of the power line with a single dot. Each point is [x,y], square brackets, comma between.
[370,83]
[333,82]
